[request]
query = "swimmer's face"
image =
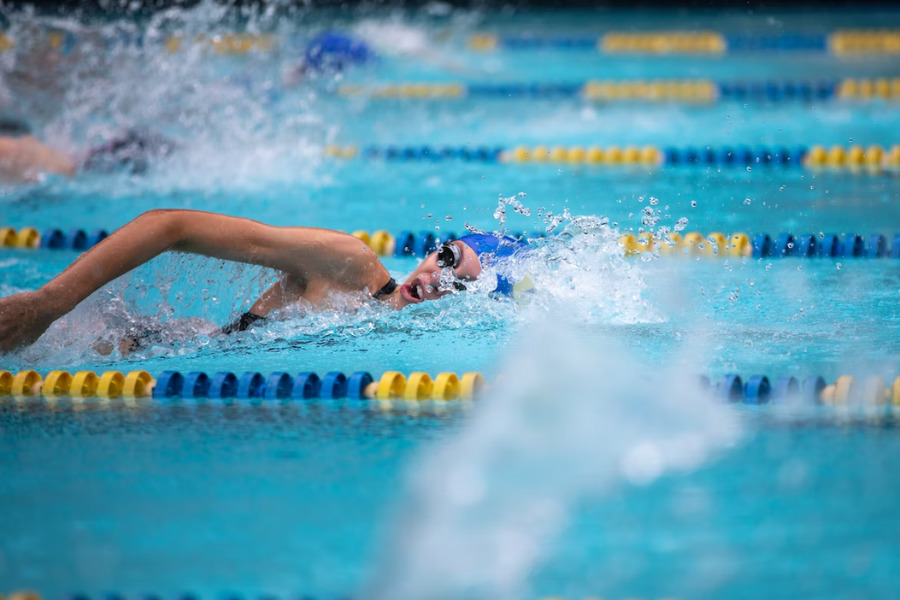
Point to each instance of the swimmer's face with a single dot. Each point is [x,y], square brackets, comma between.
[425,282]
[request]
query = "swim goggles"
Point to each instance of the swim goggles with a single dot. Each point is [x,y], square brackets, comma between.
[450,255]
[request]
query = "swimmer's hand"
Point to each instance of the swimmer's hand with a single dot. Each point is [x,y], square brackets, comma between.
[23,318]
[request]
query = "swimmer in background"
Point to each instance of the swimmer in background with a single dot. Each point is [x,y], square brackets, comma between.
[24,158]
[333,51]
[314,264]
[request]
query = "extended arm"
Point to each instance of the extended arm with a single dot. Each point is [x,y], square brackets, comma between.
[23,159]
[24,317]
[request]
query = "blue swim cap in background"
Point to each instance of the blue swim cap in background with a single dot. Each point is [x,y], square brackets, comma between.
[489,247]
[334,50]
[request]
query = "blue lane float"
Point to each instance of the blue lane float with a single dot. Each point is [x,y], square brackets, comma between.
[195,385]
[278,386]
[255,386]
[74,239]
[334,386]
[757,390]
[306,386]
[250,385]
[223,385]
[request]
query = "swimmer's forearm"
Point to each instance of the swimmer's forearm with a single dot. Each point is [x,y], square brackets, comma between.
[127,248]
[146,237]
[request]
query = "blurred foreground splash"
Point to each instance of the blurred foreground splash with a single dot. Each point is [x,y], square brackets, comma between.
[572,420]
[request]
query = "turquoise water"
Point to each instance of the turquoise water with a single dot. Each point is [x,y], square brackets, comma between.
[327,498]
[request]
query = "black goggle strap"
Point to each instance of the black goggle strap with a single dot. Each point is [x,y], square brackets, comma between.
[449,255]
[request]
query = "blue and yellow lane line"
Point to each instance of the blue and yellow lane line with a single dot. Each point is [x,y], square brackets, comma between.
[360,385]
[693,91]
[760,245]
[842,43]
[873,159]
[418,386]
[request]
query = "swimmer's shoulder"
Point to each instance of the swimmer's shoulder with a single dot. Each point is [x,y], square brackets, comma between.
[329,248]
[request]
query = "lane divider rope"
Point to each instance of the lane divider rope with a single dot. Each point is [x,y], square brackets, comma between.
[761,245]
[653,90]
[764,246]
[111,385]
[50,239]
[844,42]
[422,243]
[873,159]
[847,389]
[393,385]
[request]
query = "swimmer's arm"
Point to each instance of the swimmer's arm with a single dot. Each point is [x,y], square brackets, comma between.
[208,234]
[23,159]
[24,317]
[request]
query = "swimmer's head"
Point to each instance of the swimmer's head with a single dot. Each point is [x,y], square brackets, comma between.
[130,151]
[334,50]
[447,270]
[329,52]
[13,127]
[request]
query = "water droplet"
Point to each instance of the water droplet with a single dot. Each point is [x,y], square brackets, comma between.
[838,265]
[680,224]
[747,201]
[749,168]
[448,218]
[822,235]
[694,203]
[522,194]
[781,189]
[654,201]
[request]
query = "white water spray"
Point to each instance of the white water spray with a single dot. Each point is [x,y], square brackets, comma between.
[571,419]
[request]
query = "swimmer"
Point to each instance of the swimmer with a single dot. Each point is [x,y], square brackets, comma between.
[24,159]
[333,51]
[314,264]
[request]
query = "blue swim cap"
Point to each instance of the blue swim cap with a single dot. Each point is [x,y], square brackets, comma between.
[333,50]
[489,247]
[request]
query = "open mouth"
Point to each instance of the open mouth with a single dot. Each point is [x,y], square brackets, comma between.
[413,292]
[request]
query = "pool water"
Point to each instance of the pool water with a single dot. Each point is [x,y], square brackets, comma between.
[591,468]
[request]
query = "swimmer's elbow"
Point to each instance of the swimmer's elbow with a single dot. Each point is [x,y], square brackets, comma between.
[165,224]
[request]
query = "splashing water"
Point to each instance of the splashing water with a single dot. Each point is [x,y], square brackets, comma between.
[569,420]
[515,203]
